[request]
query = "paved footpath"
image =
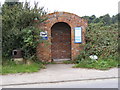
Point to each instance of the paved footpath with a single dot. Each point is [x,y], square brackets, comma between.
[58,73]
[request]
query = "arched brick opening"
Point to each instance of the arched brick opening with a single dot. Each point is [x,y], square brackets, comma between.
[61,41]
[44,52]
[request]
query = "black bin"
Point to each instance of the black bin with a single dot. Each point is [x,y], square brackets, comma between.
[17,53]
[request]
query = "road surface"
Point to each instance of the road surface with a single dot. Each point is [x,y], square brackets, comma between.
[102,83]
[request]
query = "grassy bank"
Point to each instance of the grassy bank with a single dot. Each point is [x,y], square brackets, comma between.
[102,64]
[10,67]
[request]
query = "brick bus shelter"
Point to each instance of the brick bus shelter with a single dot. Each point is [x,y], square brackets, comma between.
[65,36]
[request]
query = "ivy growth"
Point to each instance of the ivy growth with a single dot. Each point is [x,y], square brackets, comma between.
[101,40]
[19,28]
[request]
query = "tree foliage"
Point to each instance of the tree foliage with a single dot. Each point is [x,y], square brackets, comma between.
[101,40]
[19,31]
[106,19]
[101,37]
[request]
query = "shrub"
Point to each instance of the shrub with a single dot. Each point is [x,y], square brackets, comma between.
[101,64]
[19,28]
[101,41]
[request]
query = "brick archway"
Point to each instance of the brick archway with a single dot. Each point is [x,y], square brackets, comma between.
[44,53]
[61,41]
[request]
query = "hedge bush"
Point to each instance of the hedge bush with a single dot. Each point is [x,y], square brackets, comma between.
[101,40]
[19,28]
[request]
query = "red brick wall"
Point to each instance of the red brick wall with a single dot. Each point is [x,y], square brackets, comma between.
[44,52]
[61,41]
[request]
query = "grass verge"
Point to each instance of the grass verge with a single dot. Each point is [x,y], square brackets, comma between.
[10,67]
[97,64]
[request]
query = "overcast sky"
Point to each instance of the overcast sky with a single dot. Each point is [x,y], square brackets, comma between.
[80,7]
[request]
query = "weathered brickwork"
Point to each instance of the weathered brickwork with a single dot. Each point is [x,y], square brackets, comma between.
[46,52]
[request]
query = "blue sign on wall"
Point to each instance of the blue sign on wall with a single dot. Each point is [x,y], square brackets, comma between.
[78,35]
[44,35]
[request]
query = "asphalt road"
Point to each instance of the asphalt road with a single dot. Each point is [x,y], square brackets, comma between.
[103,83]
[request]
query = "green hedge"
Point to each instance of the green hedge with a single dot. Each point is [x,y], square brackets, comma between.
[101,40]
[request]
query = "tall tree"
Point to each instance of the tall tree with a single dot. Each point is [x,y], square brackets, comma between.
[92,18]
[12,2]
[115,19]
[18,25]
[106,19]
